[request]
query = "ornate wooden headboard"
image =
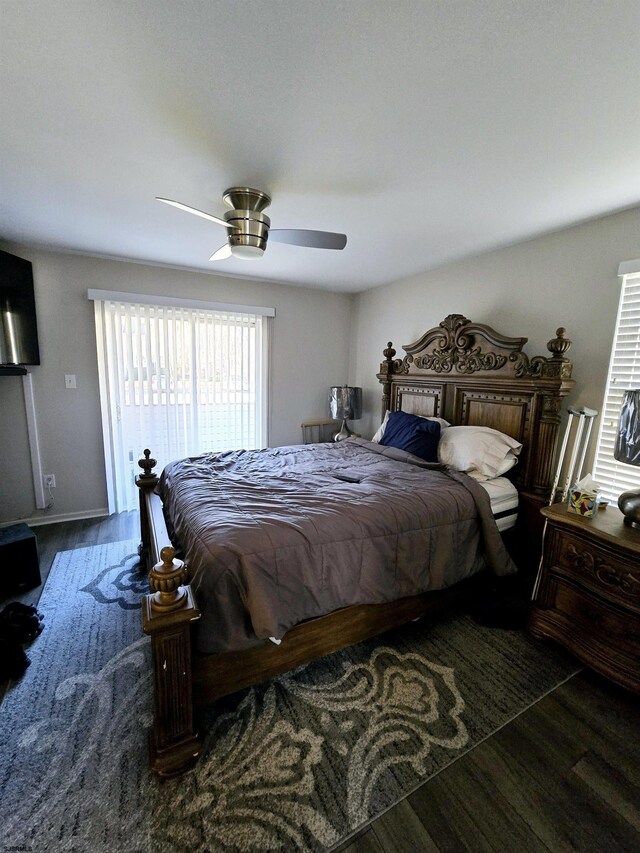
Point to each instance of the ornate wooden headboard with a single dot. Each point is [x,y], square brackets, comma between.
[472,375]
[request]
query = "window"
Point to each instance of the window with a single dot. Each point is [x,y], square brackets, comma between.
[179,377]
[624,372]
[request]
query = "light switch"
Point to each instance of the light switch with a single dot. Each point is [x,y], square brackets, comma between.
[70,380]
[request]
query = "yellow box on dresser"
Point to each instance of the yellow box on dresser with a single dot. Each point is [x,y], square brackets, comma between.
[587,594]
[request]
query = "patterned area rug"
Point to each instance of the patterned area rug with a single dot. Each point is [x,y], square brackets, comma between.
[296,764]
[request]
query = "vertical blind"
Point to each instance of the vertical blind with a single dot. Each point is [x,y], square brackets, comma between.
[181,380]
[624,372]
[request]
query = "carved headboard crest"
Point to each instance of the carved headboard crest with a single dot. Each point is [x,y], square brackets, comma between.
[460,345]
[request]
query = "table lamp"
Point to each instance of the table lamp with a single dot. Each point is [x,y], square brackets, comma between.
[627,450]
[345,403]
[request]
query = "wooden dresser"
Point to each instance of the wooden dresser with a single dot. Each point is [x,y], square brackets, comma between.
[587,595]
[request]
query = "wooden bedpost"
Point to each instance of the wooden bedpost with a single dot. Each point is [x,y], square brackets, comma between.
[386,372]
[167,614]
[146,482]
[557,368]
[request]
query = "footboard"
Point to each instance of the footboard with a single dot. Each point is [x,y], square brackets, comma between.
[167,614]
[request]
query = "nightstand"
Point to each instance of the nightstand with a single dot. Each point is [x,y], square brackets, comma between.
[587,594]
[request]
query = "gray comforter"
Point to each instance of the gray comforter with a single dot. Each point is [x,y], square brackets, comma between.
[273,537]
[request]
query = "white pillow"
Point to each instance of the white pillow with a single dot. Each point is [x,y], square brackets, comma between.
[377,437]
[482,452]
[380,431]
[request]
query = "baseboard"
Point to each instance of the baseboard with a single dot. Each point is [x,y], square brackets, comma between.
[46,518]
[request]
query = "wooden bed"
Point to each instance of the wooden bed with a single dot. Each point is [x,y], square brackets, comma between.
[464,372]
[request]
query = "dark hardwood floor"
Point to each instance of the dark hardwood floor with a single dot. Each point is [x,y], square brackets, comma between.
[563,776]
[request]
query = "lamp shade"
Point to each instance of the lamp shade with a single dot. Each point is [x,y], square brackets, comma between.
[345,402]
[627,447]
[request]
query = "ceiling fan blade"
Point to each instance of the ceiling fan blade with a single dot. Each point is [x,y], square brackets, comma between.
[195,211]
[312,239]
[222,253]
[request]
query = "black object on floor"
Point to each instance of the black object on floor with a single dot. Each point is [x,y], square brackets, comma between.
[19,558]
[13,660]
[20,623]
[24,610]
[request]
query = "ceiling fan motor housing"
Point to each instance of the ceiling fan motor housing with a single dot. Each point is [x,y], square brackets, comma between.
[247,228]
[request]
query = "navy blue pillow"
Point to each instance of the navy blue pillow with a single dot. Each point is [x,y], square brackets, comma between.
[414,434]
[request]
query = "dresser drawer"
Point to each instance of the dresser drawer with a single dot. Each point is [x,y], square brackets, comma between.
[597,569]
[589,618]
[602,635]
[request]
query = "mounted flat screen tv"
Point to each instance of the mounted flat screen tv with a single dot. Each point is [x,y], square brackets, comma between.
[18,328]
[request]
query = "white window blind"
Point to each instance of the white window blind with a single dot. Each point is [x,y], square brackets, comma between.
[624,372]
[179,380]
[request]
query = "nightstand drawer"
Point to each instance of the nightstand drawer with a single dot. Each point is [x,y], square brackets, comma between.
[597,570]
[590,618]
[602,635]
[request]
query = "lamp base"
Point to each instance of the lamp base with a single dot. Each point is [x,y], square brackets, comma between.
[629,503]
[345,432]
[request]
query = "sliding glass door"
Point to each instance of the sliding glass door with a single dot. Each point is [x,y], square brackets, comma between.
[179,379]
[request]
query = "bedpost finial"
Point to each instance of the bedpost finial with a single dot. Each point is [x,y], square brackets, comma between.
[166,579]
[559,345]
[166,555]
[147,464]
[389,352]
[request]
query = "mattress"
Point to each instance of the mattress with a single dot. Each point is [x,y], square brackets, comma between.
[503,497]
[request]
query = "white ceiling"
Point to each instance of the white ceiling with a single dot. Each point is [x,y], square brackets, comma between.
[423,130]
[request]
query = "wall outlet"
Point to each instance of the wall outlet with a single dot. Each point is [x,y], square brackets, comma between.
[69,380]
[49,481]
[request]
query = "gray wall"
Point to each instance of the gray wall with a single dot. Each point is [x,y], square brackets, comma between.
[309,352]
[568,278]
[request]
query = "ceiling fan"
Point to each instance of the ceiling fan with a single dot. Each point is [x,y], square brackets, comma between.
[248,228]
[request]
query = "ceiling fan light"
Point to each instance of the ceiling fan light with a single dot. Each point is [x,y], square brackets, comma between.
[247,253]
